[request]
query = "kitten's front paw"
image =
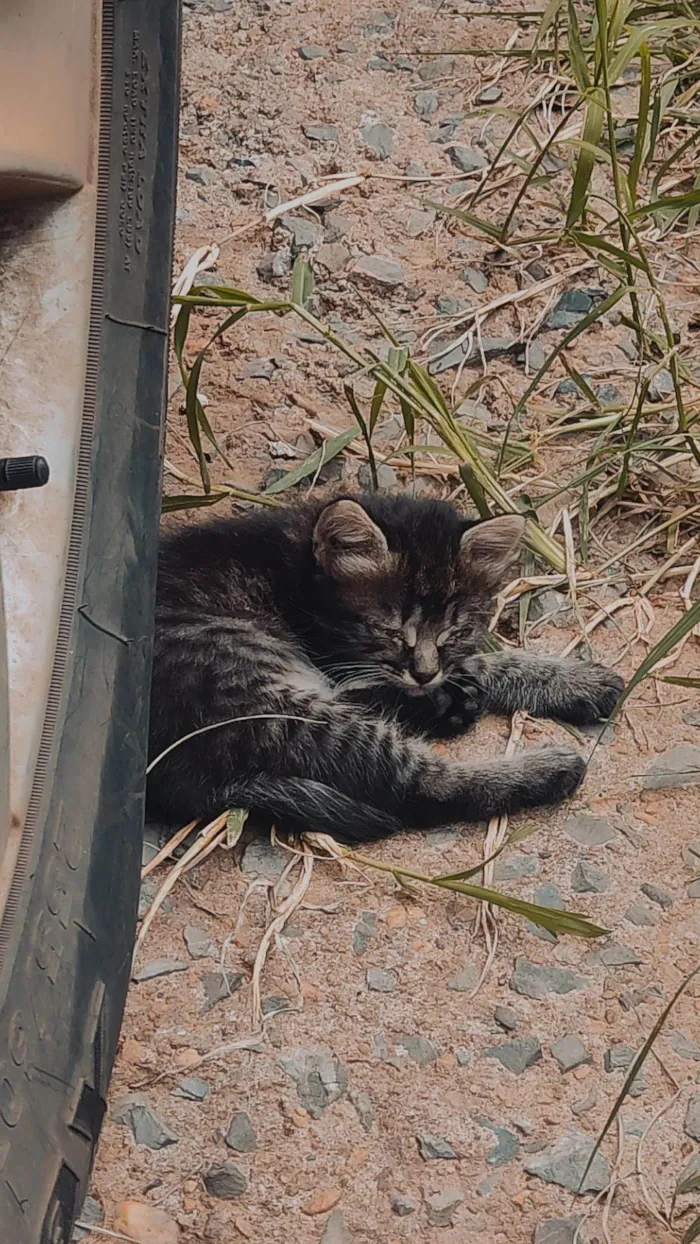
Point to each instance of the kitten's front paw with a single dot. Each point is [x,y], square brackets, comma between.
[460,705]
[593,692]
[550,774]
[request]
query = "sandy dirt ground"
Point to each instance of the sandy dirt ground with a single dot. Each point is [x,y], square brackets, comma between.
[383,1098]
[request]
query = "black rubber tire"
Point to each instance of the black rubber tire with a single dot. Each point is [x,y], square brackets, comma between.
[67,934]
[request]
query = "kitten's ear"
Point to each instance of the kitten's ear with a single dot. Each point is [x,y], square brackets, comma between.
[347,543]
[489,550]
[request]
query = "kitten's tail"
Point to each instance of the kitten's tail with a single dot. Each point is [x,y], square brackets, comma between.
[302,804]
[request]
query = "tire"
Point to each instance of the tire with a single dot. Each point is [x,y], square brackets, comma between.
[68,926]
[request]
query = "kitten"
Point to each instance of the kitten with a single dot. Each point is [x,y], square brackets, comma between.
[341,632]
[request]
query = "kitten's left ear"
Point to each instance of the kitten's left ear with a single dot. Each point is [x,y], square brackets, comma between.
[488,550]
[347,544]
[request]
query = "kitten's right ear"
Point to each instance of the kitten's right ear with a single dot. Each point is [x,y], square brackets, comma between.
[489,550]
[347,544]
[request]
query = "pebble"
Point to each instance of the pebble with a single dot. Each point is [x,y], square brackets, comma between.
[198,943]
[420,1049]
[381,981]
[240,1134]
[679,766]
[583,1104]
[387,479]
[566,1162]
[365,1110]
[661,386]
[569,387]
[274,265]
[469,409]
[425,103]
[91,1212]
[402,1206]
[147,893]
[146,1224]
[546,895]
[259,369]
[533,356]
[192,1089]
[507,1017]
[514,866]
[432,1148]
[559,1231]
[447,305]
[379,271]
[587,879]
[333,256]
[225,1181]
[572,307]
[441,1207]
[419,222]
[507,1146]
[693,890]
[379,138]
[159,967]
[347,45]
[467,159]
[322,133]
[691,1123]
[438,67]
[684,1046]
[614,956]
[608,395]
[589,831]
[321,1202]
[336,1230]
[516,1055]
[336,225]
[656,895]
[463,1056]
[551,606]
[620,1058]
[217,986]
[475,279]
[201,174]
[263,859]
[364,932]
[534,980]
[641,915]
[380,63]
[570,1052]
[489,95]
[312,51]
[319,1076]
[146,1128]
[305,233]
[692,717]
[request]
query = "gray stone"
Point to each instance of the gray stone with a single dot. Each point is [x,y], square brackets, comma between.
[534,980]
[614,956]
[259,369]
[463,1056]
[381,981]
[507,1017]
[192,1089]
[620,1058]
[336,1230]
[691,855]
[569,387]
[438,67]
[387,479]
[263,859]
[507,1142]
[486,1186]
[225,1181]
[147,893]
[447,305]
[198,943]
[365,1110]
[305,233]
[416,172]
[364,932]
[608,395]
[336,225]
[441,1207]
[202,174]
[431,1147]
[657,895]
[379,138]
[533,356]
[218,986]
[319,1076]
[425,103]
[589,831]
[347,45]
[405,63]
[692,717]
[489,95]
[380,63]
[145,1126]
[476,412]
[420,1049]
[274,265]
[322,133]
[151,844]
[679,766]
[402,1206]
[572,307]
[465,981]
[333,256]
[551,606]
[159,967]
[684,1046]
[587,879]
[467,159]
[92,1214]
[559,1231]
[691,1123]
[693,890]
[419,222]
[570,1052]
[546,895]
[514,866]
[475,279]
[241,1133]
[661,386]
[589,1100]
[641,915]
[566,1162]
[312,51]
[379,271]
[516,1055]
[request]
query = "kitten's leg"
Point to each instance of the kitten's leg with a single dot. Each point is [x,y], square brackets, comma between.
[577,691]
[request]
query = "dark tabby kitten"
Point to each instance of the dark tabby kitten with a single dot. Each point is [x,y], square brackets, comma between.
[341,630]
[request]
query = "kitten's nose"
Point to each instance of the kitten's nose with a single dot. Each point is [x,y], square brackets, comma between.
[423,676]
[426,660]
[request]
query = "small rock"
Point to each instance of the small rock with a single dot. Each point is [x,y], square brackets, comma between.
[416,172]
[507,1017]
[467,159]
[192,1089]
[312,51]
[656,895]
[661,386]
[546,895]
[684,1046]
[534,980]
[589,1100]
[319,1076]
[514,866]
[381,981]
[679,766]
[145,1126]
[489,95]
[402,1206]
[146,1224]
[241,1133]
[333,256]
[641,915]
[486,1186]
[281,449]
[516,1055]
[379,271]
[259,369]
[559,1231]
[572,307]
[274,265]
[159,967]
[322,1202]
[614,956]
[476,412]
[425,103]
[335,1230]
[566,1162]
[263,859]
[420,1049]
[463,1056]
[589,831]
[447,305]
[620,1058]
[551,606]
[533,357]
[691,1123]
[587,879]
[347,45]
[322,133]
[387,478]
[217,986]
[441,1207]
[305,233]
[419,223]
[379,138]
[475,279]
[432,1148]
[439,67]
[365,1110]
[693,890]
[444,134]
[692,717]
[336,226]
[364,932]
[570,1052]
[91,1212]
[225,1181]
[198,943]
[569,387]
[506,1148]
[537,270]
[608,395]
[381,63]
[202,174]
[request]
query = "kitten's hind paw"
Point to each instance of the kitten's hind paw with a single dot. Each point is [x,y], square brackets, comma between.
[549,774]
[592,693]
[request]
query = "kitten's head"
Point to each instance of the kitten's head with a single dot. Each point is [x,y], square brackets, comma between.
[408,585]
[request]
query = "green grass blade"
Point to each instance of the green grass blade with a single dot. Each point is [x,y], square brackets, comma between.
[577,56]
[666,644]
[692,1233]
[302,282]
[467,218]
[170,504]
[595,243]
[592,130]
[640,137]
[677,202]
[329,449]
